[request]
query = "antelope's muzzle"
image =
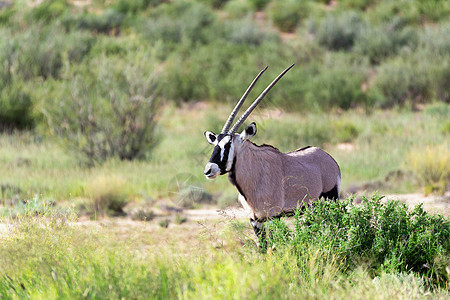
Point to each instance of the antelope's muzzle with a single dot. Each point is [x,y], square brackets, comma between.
[211,170]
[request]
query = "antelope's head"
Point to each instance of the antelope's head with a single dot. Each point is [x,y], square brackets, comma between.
[225,143]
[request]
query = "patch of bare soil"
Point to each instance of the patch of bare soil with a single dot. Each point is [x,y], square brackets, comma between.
[432,203]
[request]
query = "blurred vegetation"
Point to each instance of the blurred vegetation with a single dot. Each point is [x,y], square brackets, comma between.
[353,53]
[432,165]
[105,80]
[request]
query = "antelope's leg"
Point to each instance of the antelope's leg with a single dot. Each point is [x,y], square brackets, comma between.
[258,228]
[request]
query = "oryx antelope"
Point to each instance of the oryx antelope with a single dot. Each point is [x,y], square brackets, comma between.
[270,183]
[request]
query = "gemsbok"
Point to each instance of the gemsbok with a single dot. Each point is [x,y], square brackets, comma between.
[271,184]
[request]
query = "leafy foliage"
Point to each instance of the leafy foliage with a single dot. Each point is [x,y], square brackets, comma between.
[16,111]
[339,32]
[106,113]
[387,236]
[287,14]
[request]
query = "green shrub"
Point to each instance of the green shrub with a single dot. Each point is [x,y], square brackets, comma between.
[338,83]
[416,78]
[34,53]
[287,14]
[191,196]
[380,42]
[164,223]
[433,10]
[107,194]
[357,4]
[16,107]
[238,8]
[79,45]
[33,207]
[344,131]
[339,32]
[187,22]
[135,6]
[247,32]
[7,11]
[109,22]
[446,128]
[288,137]
[38,55]
[387,237]
[48,10]
[259,4]
[436,38]
[179,219]
[406,10]
[215,3]
[142,214]
[107,110]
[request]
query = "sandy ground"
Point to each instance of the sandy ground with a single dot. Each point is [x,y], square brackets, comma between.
[197,218]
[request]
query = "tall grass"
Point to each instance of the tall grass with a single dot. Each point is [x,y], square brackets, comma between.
[432,165]
[53,258]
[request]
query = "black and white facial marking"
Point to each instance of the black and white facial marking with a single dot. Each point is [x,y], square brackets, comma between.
[222,157]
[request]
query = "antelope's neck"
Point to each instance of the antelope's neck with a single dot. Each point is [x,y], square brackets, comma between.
[256,173]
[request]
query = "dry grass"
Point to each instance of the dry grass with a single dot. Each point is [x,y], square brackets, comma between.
[432,166]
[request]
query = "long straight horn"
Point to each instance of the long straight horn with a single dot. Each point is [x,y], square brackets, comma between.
[240,102]
[256,102]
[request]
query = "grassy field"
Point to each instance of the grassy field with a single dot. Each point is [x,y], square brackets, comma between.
[368,147]
[103,105]
[55,257]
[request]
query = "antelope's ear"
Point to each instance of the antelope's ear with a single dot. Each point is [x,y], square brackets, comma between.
[248,132]
[211,137]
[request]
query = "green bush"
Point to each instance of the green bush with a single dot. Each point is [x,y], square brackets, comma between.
[37,54]
[287,14]
[107,195]
[109,22]
[16,107]
[406,10]
[34,53]
[357,4]
[344,131]
[187,22]
[339,32]
[288,138]
[338,83]
[238,8]
[436,38]
[135,6]
[387,237]
[433,10]
[191,196]
[106,109]
[247,32]
[380,42]
[215,3]
[416,78]
[259,4]
[48,10]
[79,45]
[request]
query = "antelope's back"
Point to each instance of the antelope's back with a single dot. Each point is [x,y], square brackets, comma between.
[322,171]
